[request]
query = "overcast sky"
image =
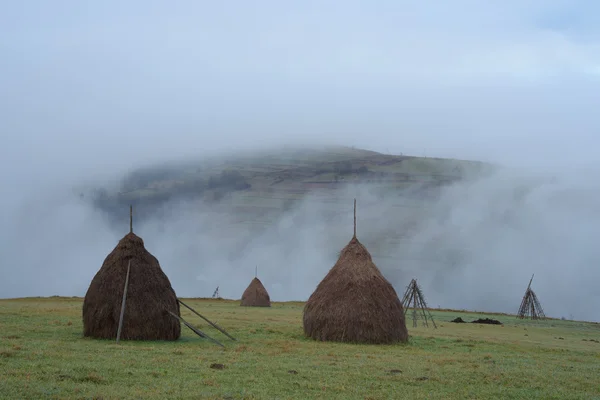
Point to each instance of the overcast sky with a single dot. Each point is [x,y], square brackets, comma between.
[87,82]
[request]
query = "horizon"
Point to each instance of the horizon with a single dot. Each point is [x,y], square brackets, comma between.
[442,309]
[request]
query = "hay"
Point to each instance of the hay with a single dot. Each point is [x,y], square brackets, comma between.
[149,296]
[256,295]
[355,303]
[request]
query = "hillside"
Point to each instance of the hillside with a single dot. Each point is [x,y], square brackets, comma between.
[259,186]
[277,180]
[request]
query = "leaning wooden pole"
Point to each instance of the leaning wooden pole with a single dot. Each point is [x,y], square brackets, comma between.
[207,320]
[526,305]
[414,302]
[421,301]
[425,308]
[531,280]
[123,302]
[195,330]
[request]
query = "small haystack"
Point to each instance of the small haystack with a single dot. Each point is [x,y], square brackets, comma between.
[150,296]
[354,302]
[256,295]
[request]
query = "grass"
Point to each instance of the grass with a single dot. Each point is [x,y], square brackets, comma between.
[43,355]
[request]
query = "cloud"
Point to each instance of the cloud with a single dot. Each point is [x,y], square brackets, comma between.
[504,228]
[464,79]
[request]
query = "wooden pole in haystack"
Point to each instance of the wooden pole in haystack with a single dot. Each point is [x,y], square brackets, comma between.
[130,218]
[123,303]
[256,271]
[354,217]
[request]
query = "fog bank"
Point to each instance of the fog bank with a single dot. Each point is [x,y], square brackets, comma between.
[474,247]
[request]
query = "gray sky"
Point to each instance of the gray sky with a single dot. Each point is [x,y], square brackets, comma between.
[90,89]
[84,82]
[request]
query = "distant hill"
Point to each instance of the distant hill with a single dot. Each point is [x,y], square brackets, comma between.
[275,180]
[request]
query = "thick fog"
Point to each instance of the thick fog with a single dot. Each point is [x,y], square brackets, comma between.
[91,91]
[475,247]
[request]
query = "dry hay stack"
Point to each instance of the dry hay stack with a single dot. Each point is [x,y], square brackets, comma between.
[256,295]
[355,303]
[149,295]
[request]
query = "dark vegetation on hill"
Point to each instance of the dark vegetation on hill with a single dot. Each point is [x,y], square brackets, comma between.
[285,175]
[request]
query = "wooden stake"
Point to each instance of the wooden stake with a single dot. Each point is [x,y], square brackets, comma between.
[256,271]
[130,218]
[354,217]
[123,303]
[195,330]
[206,319]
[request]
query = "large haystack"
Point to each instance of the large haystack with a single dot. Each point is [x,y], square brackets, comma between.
[355,303]
[149,296]
[256,295]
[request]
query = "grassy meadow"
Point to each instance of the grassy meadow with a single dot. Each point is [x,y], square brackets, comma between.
[44,356]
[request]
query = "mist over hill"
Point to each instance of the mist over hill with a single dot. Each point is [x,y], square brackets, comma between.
[471,233]
[259,183]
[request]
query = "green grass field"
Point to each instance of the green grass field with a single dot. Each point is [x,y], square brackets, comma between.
[44,356]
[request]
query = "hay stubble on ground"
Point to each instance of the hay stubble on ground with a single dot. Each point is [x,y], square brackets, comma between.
[43,355]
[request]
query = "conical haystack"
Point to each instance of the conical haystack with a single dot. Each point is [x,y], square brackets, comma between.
[355,303]
[256,295]
[149,296]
